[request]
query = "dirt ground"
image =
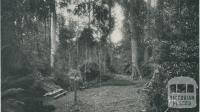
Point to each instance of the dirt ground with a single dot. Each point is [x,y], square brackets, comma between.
[104,99]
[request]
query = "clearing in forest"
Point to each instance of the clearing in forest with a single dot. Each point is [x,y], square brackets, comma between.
[110,98]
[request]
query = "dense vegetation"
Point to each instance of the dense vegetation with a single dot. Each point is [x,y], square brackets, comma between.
[160,41]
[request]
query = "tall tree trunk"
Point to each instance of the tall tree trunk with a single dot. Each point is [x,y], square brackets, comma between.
[146,55]
[89,14]
[134,57]
[69,57]
[52,41]
[38,47]
[86,51]
[111,57]
[45,29]
[53,37]
[77,51]
[100,73]
[65,59]
[49,37]
[134,43]
[86,61]
[86,44]
[90,54]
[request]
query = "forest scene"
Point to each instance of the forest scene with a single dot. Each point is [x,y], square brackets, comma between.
[96,55]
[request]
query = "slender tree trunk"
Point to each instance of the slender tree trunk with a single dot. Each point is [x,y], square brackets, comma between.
[49,39]
[69,58]
[52,40]
[53,36]
[38,48]
[49,36]
[111,56]
[89,14]
[97,55]
[110,13]
[110,18]
[86,62]
[75,92]
[77,51]
[103,58]
[86,45]
[45,29]
[100,73]
[90,54]
[65,60]
[86,51]
[146,54]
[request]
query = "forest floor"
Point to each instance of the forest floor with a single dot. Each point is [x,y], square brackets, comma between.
[113,96]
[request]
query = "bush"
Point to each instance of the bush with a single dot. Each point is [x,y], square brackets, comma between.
[62,80]
[147,71]
[90,71]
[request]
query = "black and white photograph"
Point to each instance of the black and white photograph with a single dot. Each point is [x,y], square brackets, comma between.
[99,55]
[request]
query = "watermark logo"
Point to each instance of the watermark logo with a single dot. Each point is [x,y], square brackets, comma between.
[182,92]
